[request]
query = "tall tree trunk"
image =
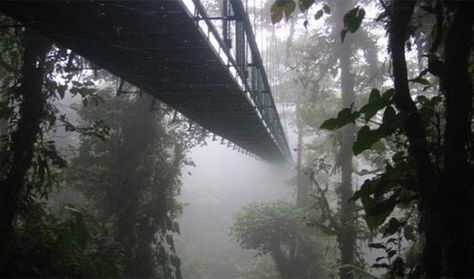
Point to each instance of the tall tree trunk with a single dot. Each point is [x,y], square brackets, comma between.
[347,234]
[457,87]
[138,130]
[302,185]
[431,210]
[32,110]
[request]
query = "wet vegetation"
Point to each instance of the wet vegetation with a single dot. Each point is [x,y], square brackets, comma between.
[377,101]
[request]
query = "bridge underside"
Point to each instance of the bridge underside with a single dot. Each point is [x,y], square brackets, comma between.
[156,46]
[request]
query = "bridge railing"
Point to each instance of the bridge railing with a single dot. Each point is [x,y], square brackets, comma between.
[229,31]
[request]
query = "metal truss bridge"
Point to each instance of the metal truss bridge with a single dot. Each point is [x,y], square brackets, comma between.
[207,67]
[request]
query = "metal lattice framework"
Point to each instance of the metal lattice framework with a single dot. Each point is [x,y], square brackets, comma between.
[208,68]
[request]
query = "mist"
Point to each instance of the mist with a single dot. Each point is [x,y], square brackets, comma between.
[231,139]
[213,192]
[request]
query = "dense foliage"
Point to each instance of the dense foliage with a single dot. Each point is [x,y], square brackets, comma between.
[279,230]
[88,179]
[416,136]
[381,97]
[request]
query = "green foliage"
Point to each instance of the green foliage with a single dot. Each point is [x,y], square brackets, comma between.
[278,229]
[278,8]
[406,172]
[65,242]
[43,246]
[326,9]
[352,21]
[305,4]
[319,14]
[261,267]
[391,193]
[133,179]
[376,103]
[262,226]
[367,137]
[395,186]
[287,7]
[344,117]
[389,198]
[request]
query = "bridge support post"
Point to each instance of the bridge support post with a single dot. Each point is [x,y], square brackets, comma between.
[240,48]
[226,23]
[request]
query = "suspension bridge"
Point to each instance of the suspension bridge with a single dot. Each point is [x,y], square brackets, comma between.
[206,67]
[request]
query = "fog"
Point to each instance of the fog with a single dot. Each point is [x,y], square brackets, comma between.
[236,139]
[221,183]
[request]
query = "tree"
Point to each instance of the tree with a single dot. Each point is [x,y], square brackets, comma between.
[133,179]
[34,242]
[40,234]
[278,229]
[339,59]
[445,200]
[431,132]
[32,111]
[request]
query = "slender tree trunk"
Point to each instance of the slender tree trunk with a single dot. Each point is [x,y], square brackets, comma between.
[302,187]
[431,209]
[347,233]
[138,130]
[32,110]
[457,87]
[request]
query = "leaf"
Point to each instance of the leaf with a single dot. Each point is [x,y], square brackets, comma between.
[378,211]
[366,190]
[352,21]
[305,4]
[343,34]
[392,227]
[374,96]
[374,221]
[373,106]
[344,117]
[391,253]
[392,240]
[382,265]
[387,95]
[326,9]
[350,16]
[276,12]
[61,90]
[421,81]
[377,246]
[366,138]
[289,8]
[330,124]
[89,83]
[305,24]
[436,66]
[318,15]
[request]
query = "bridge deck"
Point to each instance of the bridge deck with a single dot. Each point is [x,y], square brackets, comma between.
[157,46]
